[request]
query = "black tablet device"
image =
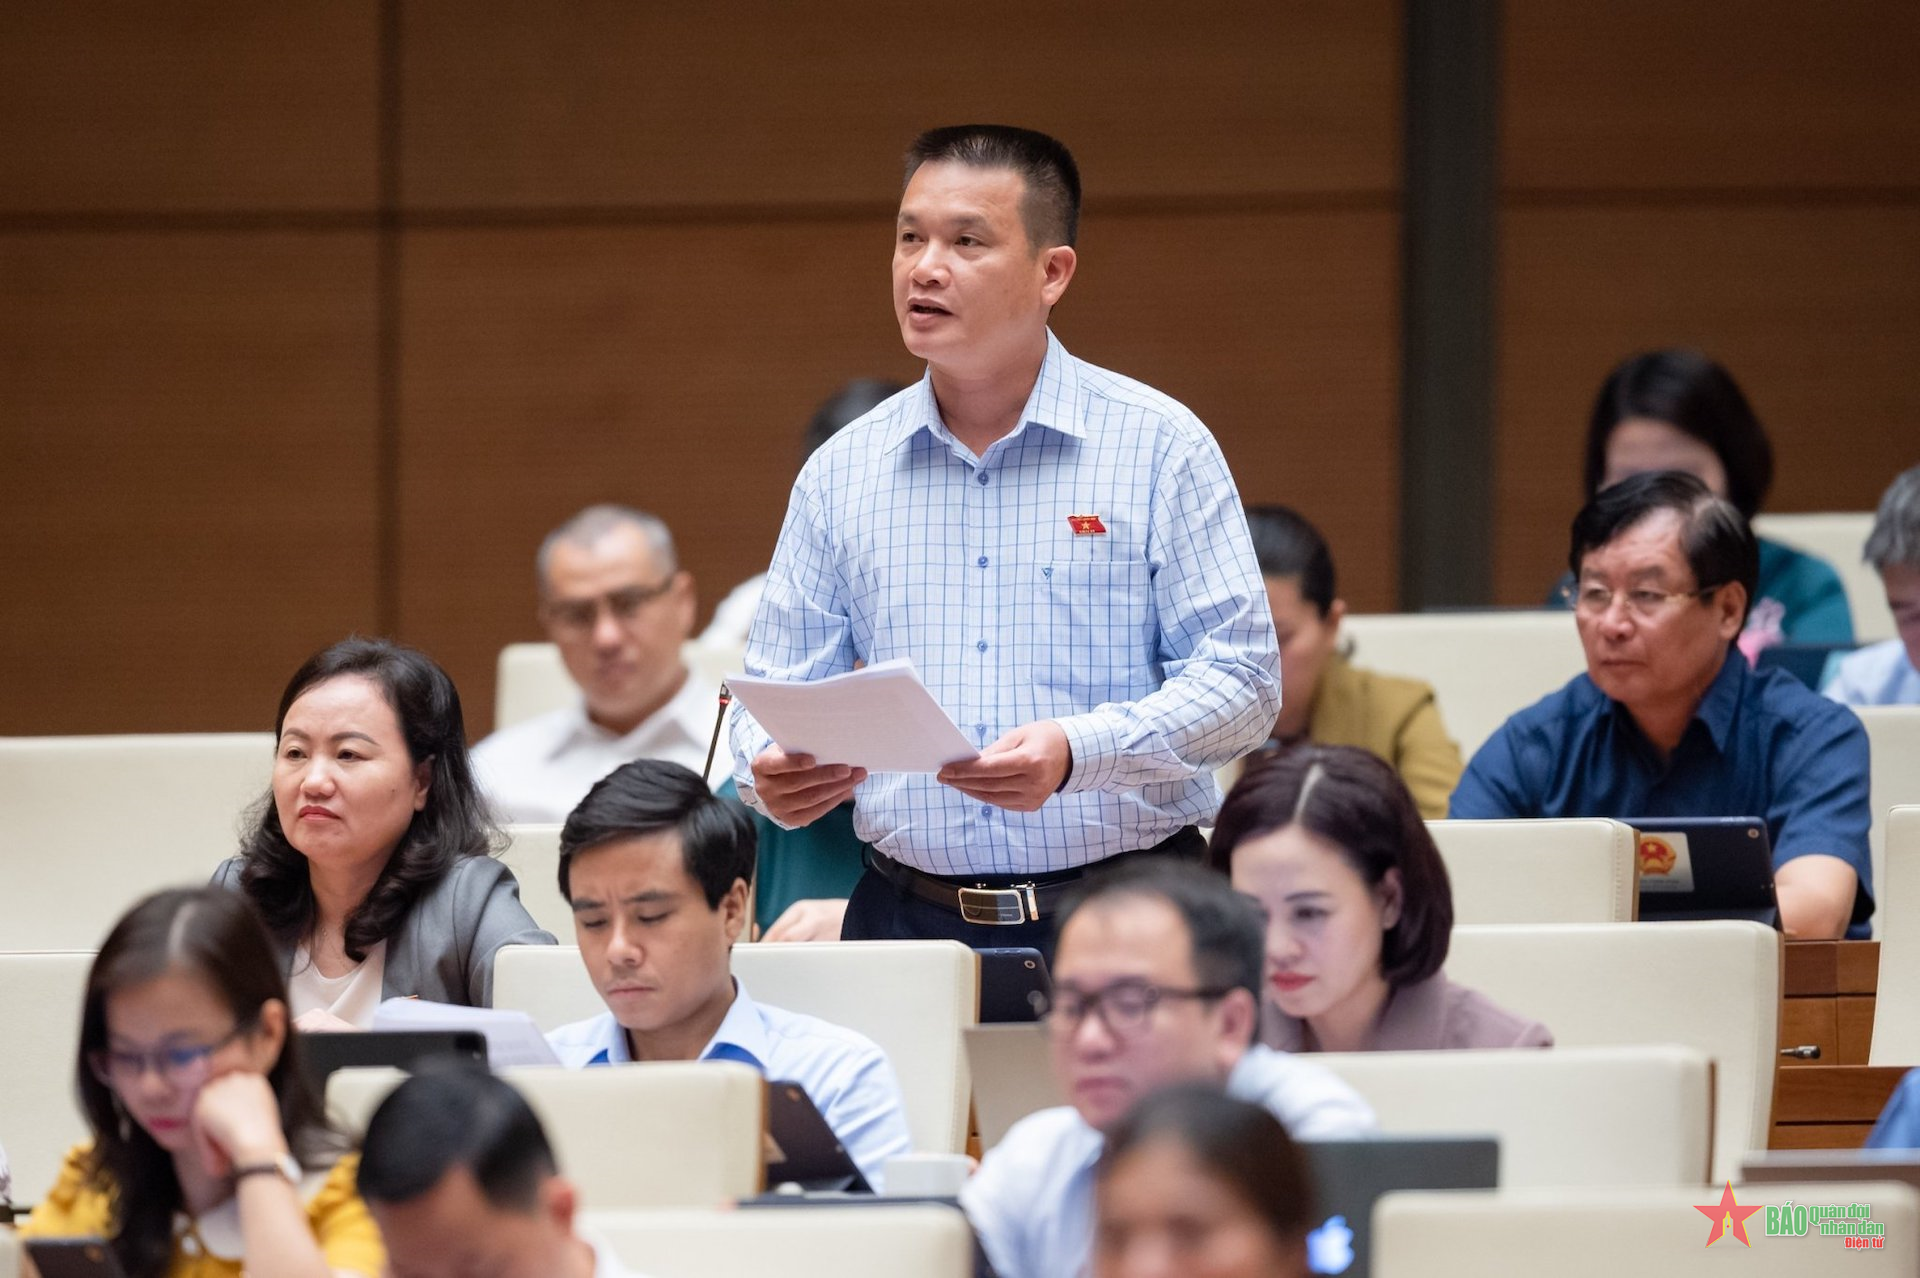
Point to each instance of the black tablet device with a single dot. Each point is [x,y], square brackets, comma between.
[73,1258]
[1349,1176]
[1014,985]
[321,1053]
[801,1149]
[1706,868]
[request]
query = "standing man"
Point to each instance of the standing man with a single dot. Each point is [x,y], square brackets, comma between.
[617,605]
[1060,551]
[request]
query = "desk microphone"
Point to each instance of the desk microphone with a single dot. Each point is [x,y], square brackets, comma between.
[719,720]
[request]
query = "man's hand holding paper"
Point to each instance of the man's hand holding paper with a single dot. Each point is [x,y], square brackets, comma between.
[1020,771]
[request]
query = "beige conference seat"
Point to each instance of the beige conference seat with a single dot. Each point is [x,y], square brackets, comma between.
[1839,538]
[530,679]
[1713,986]
[1893,740]
[1570,1116]
[40,998]
[1896,1010]
[655,1135]
[9,1254]
[1643,1232]
[124,816]
[904,1241]
[1483,665]
[1558,871]
[533,854]
[913,998]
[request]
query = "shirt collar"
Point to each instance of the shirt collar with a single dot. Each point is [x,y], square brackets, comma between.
[1719,706]
[742,1035]
[581,730]
[1054,402]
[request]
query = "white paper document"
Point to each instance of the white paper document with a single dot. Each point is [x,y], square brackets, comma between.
[512,1037]
[881,718]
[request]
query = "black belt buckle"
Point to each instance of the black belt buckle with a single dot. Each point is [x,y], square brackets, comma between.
[999,907]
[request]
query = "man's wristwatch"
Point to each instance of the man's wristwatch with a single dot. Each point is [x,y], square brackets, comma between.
[284,1167]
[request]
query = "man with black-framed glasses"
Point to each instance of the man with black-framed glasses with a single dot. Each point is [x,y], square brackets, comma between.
[1670,720]
[1156,979]
[616,603]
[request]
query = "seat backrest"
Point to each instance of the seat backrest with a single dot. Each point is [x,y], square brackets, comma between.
[530,679]
[656,1135]
[1896,1005]
[1839,539]
[1570,1116]
[913,998]
[1713,986]
[9,1254]
[818,1241]
[1645,1232]
[139,813]
[1893,738]
[533,854]
[40,998]
[1483,665]
[1561,871]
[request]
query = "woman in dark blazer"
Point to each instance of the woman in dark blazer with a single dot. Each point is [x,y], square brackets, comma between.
[371,857]
[1359,911]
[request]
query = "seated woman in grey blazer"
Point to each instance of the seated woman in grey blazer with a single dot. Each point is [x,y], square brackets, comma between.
[371,856]
[1359,911]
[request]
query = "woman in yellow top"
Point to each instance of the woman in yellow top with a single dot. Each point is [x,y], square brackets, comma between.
[203,1129]
[1324,698]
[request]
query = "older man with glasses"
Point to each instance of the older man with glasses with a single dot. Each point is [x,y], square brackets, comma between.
[1669,720]
[618,606]
[1156,978]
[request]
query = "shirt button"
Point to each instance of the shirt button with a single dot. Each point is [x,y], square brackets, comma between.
[986,812]
[980,728]
[982,645]
[982,561]
[982,478]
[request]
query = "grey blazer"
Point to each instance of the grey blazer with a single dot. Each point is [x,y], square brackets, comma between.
[443,949]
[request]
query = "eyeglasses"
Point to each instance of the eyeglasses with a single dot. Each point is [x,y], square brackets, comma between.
[579,615]
[1593,600]
[179,1066]
[1124,1008]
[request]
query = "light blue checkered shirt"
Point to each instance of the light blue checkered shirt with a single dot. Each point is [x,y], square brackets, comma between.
[1151,644]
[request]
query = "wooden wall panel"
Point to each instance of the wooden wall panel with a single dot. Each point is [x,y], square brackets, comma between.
[1634,95]
[671,367]
[186,473]
[189,106]
[522,105]
[1812,309]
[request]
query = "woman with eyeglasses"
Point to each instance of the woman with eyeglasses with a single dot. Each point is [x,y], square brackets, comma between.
[370,858]
[1197,1184]
[210,1157]
[1679,410]
[1358,907]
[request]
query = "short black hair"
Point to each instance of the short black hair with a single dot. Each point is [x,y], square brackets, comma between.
[1051,206]
[1239,1143]
[1224,927]
[1287,545]
[455,1114]
[1895,539]
[1691,393]
[1357,802]
[649,796]
[1717,541]
[848,404]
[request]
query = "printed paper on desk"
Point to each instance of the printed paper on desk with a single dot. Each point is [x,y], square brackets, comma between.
[512,1037]
[881,718]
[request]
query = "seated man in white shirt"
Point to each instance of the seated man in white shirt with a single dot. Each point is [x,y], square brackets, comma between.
[656,868]
[1157,976]
[617,605]
[461,1180]
[1888,673]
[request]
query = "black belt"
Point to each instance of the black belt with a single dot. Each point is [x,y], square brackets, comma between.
[1008,902]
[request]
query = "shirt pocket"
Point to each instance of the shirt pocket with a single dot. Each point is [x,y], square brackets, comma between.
[1095,641]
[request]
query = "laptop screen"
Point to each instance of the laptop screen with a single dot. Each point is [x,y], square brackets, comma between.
[1349,1175]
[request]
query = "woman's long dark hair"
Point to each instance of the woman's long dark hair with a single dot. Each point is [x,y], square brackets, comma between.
[214,936]
[453,824]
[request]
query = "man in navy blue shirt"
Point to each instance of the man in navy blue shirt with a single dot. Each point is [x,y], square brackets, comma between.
[1669,720]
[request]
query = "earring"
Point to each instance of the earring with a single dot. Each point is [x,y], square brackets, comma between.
[126,1123]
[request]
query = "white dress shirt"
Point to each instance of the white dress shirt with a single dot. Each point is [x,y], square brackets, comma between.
[538,770]
[845,1074]
[1031,1202]
[353,996]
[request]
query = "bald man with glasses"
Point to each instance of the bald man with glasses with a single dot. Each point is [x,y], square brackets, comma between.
[1669,719]
[616,603]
